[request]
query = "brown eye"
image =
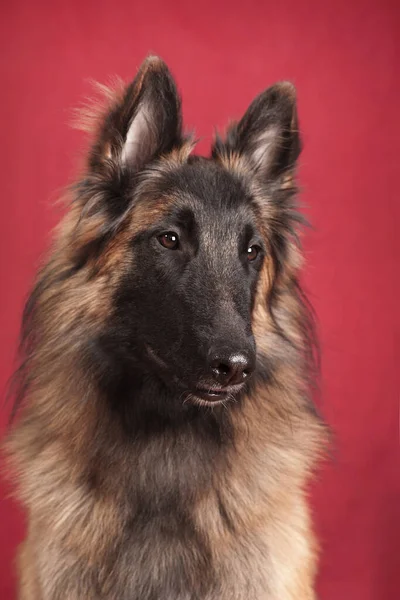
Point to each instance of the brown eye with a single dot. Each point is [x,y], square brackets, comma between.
[169,240]
[252,252]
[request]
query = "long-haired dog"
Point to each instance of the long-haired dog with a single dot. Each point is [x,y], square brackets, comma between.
[166,431]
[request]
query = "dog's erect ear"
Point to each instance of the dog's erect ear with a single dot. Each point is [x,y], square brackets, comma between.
[267,136]
[143,123]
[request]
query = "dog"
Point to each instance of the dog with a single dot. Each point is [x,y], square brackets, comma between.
[166,430]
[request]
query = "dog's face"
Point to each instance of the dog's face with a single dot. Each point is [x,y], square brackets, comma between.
[197,235]
[189,296]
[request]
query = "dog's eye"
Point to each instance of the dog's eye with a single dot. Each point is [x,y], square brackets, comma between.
[253,252]
[169,240]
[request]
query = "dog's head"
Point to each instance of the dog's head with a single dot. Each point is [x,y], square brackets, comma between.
[194,245]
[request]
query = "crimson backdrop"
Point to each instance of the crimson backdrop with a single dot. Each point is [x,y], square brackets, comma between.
[342,57]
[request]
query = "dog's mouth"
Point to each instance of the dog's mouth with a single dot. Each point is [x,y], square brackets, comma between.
[213,395]
[203,394]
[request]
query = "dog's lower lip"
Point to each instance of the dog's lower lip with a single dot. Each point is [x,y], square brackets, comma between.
[212,392]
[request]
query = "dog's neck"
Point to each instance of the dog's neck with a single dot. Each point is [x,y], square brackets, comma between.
[147,407]
[171,450]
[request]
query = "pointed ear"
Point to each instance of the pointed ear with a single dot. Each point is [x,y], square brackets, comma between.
[143,123]
[267,136]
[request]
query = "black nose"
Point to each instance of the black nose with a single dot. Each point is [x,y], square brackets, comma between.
[231,368]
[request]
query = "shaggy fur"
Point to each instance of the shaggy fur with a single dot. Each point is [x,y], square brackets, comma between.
[134,487]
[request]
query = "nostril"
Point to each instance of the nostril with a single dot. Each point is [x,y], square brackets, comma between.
[220,368]
[232,369]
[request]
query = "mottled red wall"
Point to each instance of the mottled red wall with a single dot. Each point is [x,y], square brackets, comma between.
[344,60]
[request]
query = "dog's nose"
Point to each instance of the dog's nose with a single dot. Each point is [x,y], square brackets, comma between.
[231,368]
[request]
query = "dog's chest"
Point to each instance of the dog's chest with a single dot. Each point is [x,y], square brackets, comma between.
[190,553]
[198,533]
[175,564]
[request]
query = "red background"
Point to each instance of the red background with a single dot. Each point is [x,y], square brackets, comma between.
[343,58]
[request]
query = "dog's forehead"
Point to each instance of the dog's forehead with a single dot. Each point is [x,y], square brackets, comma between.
[211,192]
[200,192]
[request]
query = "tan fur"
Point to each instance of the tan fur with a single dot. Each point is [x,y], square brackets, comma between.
[277,444]
[260,492]
[233,161]
[262,544]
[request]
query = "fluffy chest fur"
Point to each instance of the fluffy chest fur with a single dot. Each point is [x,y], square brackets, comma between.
[180,515]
